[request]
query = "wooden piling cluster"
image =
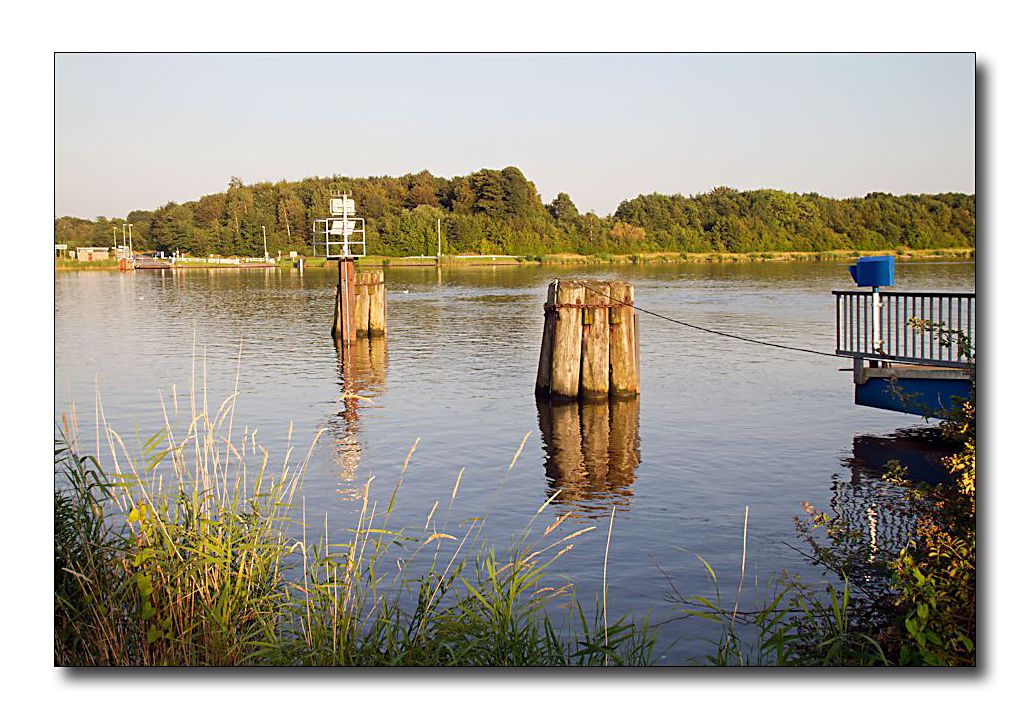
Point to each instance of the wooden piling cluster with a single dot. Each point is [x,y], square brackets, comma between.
[370,303]
[362,297]
[589,346]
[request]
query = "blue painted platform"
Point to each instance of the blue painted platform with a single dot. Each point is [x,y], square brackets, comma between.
[931,395]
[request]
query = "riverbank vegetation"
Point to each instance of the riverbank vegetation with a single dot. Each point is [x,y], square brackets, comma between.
[194,550]
[500,212]
[199,568]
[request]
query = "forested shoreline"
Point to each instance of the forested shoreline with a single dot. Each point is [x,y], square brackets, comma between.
[500,212]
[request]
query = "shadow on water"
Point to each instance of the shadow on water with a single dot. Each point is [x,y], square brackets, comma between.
[592,450]
[362,372]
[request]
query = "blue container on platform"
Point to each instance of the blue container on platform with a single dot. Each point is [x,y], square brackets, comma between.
[874,271]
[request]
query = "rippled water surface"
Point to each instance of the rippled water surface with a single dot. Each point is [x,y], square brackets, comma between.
[720,424]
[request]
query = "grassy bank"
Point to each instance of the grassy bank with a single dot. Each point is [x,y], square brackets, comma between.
[453,262]
[74,265]
[726,257]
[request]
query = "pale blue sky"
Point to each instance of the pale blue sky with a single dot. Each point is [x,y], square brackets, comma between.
[135,131]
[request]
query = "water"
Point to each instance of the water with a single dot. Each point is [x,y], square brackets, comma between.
[720,424]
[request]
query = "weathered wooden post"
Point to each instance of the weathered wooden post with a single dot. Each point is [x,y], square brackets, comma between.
[589,345]
[594,379]
[377,304]
[544,374]
[362,287]
[564,379]
[344,327]
[623,341]
[370,304]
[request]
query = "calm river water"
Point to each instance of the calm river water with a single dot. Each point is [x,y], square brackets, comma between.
[720,424]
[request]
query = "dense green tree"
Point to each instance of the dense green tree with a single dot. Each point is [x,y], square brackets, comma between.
[562,209]
[500,211]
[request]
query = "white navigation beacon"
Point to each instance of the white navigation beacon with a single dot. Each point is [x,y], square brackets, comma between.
[342,234]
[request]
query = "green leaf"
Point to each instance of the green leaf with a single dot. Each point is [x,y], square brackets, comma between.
[144,584]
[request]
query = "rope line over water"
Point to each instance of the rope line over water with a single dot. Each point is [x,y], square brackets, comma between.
[703,328]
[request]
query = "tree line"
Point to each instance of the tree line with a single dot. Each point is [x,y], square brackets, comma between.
[500,212]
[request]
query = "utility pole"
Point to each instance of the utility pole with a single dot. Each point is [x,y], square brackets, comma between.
[265,244]
[438,238]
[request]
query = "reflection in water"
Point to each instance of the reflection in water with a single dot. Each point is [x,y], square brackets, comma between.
[363,377]
[592,450]
[870,508]
[920,450]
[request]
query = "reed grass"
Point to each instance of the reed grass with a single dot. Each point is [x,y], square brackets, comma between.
[792,624]
[182,555]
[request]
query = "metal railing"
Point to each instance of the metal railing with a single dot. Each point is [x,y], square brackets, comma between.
[904,319]
[332,239]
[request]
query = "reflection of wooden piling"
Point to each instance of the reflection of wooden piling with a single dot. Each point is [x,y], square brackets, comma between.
[363,374]
[594,420]
[363,370]
[624,442]
[592,449]
[566,460]
[589,341]
[377,370]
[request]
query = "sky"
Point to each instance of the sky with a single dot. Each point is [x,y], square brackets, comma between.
[134,131]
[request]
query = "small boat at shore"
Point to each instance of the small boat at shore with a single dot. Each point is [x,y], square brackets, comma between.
[155,262]
[151,262]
